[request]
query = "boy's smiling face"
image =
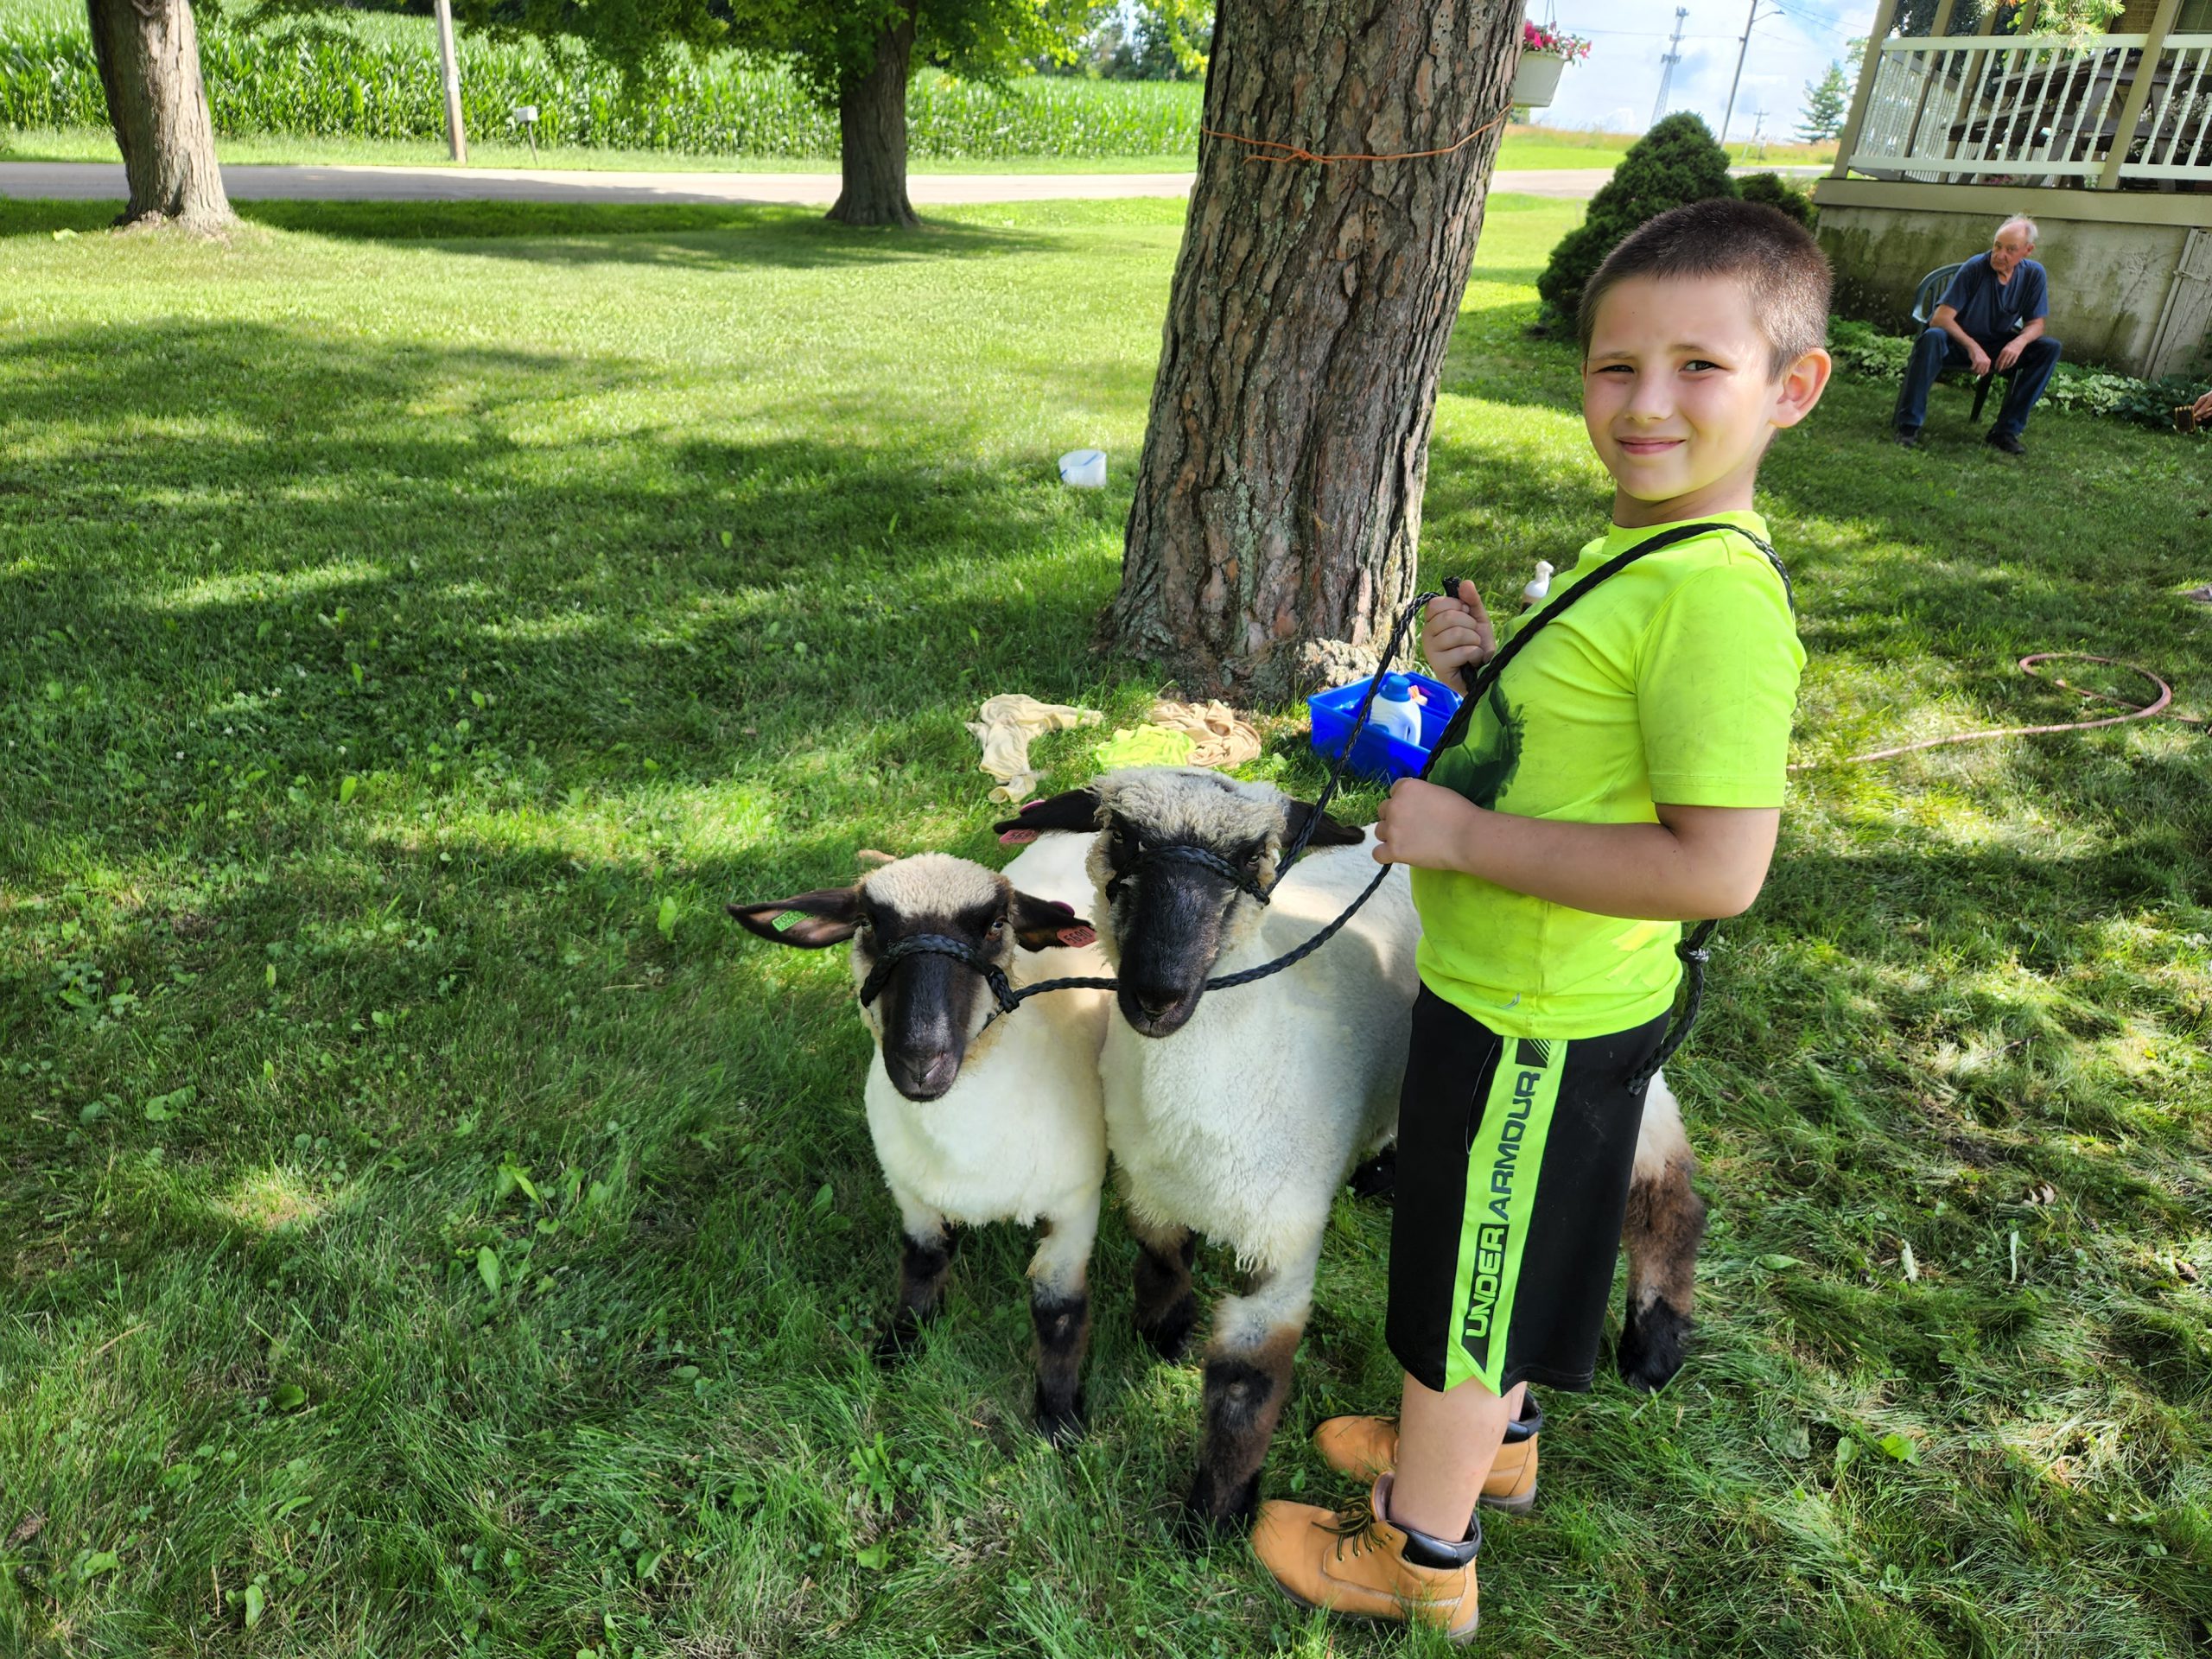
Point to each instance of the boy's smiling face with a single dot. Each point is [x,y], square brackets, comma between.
[1679,396]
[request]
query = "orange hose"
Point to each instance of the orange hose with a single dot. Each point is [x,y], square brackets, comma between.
[2162,704]
[1294,153]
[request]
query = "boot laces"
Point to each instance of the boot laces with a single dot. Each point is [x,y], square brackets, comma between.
[1354,1525]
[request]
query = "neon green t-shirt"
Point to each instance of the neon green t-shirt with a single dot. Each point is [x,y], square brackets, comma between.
[1674,682]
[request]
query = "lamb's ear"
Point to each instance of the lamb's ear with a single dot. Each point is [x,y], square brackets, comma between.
[1048,925]
[823,918]
[1077,809]
[1327,832]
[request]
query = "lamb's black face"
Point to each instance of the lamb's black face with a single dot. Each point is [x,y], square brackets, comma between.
[1171,917]
[932,1006]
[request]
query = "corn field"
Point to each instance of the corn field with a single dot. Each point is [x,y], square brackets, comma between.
[383,83]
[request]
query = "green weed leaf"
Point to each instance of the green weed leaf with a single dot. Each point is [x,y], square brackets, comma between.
[487,1267]
[255,1600]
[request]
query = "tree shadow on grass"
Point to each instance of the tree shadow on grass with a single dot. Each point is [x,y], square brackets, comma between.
[294,587]
[736,235]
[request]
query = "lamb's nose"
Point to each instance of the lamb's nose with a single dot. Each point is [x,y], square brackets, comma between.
[1156,1006]
[937,1075]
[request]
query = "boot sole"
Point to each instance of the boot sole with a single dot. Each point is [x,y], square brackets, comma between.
[1457,1638]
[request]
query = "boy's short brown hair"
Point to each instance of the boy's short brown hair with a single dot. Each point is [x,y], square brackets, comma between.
[1782,267]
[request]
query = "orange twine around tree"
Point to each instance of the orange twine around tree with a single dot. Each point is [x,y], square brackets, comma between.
[1295,153]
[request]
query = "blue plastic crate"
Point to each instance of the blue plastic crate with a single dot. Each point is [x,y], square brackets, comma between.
[1377,754]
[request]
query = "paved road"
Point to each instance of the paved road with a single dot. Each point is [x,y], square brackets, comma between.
[103,181]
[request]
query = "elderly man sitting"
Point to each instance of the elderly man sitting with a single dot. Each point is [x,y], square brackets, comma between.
[1990,320]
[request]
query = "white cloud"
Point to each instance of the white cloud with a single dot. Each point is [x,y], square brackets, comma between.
[1788,49]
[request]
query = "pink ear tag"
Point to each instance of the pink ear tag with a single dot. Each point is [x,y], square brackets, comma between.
[1076,937]
[1017,837]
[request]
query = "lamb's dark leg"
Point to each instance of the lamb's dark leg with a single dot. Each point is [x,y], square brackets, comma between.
[1378,1178]
[1664,1226]
[923,1266]
[1059,1302]
[1247,1383]
[1166,1305]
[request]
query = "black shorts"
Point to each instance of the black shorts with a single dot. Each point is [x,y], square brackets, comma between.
[1514,1158]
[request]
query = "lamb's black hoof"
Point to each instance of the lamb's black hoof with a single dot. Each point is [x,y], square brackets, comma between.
[1210,1515]
[1062,1424]
[899,1342]
[1170,1335]
[1652,1344]
[1378,1177]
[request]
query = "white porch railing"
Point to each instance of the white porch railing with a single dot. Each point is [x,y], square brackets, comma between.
[1952,108]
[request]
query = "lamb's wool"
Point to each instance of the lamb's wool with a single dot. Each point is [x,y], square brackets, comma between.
[1020,1135]
[1243,1123]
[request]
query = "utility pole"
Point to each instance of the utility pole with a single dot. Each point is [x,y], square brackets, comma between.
[1740,51]
[1667,72]
[457,140]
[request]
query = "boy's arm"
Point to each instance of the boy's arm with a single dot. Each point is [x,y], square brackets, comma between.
[1696,863]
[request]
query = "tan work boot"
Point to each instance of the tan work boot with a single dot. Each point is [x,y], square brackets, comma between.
[1356,1562]
[1364,1447]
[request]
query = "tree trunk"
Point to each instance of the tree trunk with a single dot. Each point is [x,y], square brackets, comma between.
[1278,498]
[149,57]
[872,132]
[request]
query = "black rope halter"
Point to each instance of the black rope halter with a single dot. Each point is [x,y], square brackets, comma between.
[940,944]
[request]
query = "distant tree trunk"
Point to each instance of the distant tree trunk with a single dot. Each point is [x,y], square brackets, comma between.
[149,57]
[872,130]
[1278,498]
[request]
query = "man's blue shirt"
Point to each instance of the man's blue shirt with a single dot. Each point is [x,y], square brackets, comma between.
[1989,310]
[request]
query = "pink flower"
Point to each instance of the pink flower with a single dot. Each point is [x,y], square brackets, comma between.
[1553,42]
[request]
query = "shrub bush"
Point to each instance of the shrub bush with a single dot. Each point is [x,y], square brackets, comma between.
[1772,190]
[1676,162]
[1862,351]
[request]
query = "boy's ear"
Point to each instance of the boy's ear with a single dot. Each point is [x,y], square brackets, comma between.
[823,918]
[1077,809]
[1327,832]
[1802,383]
[1048,925]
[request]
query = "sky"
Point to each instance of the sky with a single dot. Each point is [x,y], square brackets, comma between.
[1614,88]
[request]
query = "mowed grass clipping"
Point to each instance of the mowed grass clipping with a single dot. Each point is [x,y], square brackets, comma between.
[430,1226]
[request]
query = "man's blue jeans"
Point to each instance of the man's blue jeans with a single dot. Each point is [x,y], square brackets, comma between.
[1935,351]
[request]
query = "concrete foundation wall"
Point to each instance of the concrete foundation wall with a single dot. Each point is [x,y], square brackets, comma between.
[2110,282]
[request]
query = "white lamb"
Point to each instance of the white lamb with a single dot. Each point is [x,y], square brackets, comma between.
[1243,1127]
[978,1118]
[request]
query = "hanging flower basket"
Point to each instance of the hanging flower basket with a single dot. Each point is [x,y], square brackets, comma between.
[1544,52]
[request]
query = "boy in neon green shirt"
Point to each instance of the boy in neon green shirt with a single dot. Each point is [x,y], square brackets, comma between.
[1624,776]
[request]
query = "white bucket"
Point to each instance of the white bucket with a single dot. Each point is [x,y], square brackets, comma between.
[1084,469]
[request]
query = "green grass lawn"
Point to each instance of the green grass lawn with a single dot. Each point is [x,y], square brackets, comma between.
[428,1226]
[97,144]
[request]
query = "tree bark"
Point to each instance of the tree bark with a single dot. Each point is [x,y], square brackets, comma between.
[149,57]
[872,133]
[1277,500]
